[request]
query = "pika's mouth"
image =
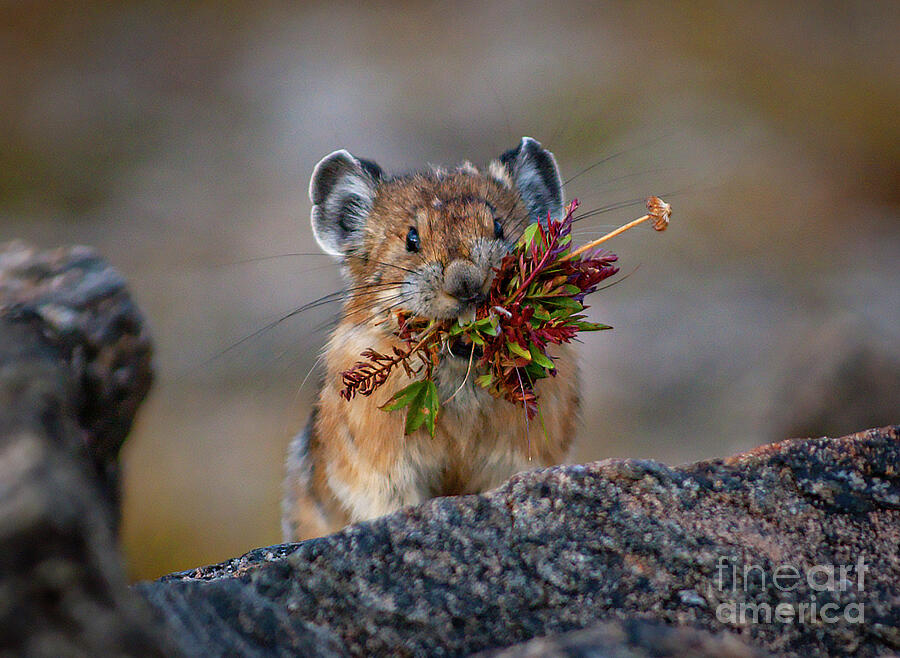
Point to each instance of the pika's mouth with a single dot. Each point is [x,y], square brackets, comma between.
[461,349]
[466,315]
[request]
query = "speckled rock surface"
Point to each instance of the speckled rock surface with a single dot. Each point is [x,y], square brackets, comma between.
[631,638]
[708,546]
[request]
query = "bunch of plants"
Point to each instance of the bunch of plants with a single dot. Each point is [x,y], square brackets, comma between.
[536,300]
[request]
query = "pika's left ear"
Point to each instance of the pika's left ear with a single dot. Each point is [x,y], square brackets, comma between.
[534,172]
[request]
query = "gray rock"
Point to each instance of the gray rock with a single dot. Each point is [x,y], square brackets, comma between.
[564,548]
[632,638]
[64,410]
[81,308]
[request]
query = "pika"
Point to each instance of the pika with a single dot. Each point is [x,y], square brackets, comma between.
[425,243]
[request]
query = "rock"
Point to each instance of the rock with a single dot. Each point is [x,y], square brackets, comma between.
[564,548]
[632,638]
[82,308]
[71,375]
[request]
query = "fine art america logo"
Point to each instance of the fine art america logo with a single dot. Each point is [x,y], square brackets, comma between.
[823,593]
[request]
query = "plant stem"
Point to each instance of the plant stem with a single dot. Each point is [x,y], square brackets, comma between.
[659,213]
[537,270]
[608,236]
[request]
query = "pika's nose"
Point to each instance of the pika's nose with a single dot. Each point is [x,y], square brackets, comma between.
[463,281]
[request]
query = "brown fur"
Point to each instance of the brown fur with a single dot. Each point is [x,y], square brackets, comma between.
[354,462]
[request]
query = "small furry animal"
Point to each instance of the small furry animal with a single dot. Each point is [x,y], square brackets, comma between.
[425,243]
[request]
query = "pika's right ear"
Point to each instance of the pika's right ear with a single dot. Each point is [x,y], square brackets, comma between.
[535,174]
[342,191]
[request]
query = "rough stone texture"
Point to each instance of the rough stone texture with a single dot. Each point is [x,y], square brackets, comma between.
[81,306]
[632,638]
[567,547]
[62,589]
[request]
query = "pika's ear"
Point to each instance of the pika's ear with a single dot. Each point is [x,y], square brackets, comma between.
[533,170]
[342,190]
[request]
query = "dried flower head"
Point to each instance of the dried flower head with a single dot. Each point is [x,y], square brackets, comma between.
[659,211]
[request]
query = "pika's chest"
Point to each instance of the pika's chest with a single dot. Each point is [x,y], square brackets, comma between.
[480,442]
[474,448]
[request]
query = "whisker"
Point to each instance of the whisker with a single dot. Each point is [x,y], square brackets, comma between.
[400,298]
[330,323]
[259,259]
[308,373]
[619,280]
[364,304]
[261,330]
[635,174]
[613,156]
[591,213]
[378,262]
[330,298]
[602,229]
[397,302]
[607,208]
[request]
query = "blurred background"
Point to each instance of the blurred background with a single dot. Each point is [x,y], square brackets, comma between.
[178,139]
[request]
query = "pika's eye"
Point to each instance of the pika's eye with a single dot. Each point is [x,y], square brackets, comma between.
[412,239]
[498,229]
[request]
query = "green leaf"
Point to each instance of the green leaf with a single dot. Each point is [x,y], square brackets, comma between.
[529,234]
[540,313]
[493,328]
[539,357]
[403,397]
[484,381]
[591,326]
[564,302]
[535,372]
[517,349]
[431,407]
[416,414]
[423,402]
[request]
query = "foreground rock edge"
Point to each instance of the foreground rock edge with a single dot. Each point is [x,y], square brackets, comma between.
[399,583]
[74,366]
